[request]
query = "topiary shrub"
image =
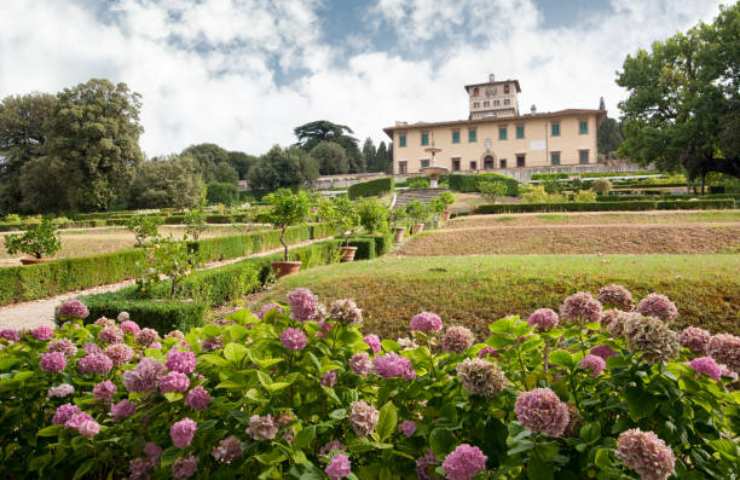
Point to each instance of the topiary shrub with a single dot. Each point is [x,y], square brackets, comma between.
[373,188]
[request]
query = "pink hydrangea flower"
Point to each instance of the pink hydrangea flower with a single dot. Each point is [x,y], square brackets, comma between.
[361,364]
[373,341]
[725,348]
[212,343]
[53,362]
[104,391]
[464,463]
[119,353]
[111,334]
[227,450]
[487,351]
[594,364]
[363,418]
[304,305]
[183,362]
[457,339]
[706,366]
[603,351]
[581,308]
[185,467]
[10,335]
[152,451]
[95,363]
[105,322]
[659,306]
[129,326]
[60,391]
[268,307]
[329,379]
[64,346]
[407,428]
[426,322]
[174,382]
[89,428]
[43,333]
[145,377]
[124,408]
[182,432]
[75,421]
[425,466]
[147,336]
[646,454]
[346,311]
[393,365]
[262,427]
[64,413]
[198,398]
[339,467]
[695,339]
[294,339]
[543,319]
[92,348]
[540,410]
[73,309]
[331,448]
[140,469]
[616,296]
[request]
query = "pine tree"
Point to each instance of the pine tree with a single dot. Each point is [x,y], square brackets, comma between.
[369,153]
[382,158]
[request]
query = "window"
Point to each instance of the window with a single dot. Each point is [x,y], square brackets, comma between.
[503,133]
[402,139]
[497,103]
[403,167]
[486,103]
[455,164]
[506,89]
[555,129]
[507,101]
[554,158]
[488,163]
[472,135]
[476,92]
[425,138]
[474,165]
[476,104]
[456,136]
[424,163]
[520,160]
[583,157]
[520,131]
[502,163]
[583,127]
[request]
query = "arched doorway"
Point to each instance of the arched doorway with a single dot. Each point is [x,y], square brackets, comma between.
[488,162]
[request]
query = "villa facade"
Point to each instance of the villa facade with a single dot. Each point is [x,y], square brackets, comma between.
[496,136]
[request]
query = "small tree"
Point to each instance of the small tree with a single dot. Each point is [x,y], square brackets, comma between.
[39,241]
[170,258]
[417,211]
[373,215]
[399,217]
[601,186]
[448,198]
[288,209]
[195,223]
[584,196]
[492,190]
[144,227]
[342,214]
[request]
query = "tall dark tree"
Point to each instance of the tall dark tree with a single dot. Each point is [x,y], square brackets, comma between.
[368,153]
[241,162]
[382,158]
[331,158]
[291,167]
[311,134]
[95,132]
[683,107]
[609,136]
[207,157]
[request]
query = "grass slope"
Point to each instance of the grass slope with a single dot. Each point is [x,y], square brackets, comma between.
[476,290]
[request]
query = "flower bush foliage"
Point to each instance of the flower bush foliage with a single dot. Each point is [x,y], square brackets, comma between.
[300,393]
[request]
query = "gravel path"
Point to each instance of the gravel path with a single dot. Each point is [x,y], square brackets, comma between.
[41,312]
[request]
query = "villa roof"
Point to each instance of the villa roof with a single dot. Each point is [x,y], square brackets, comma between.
[498,82]
[529,116]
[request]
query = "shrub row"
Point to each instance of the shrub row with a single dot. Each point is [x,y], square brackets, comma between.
[469,183]
[667,197]
[606,206]
[44,280]
[373,188]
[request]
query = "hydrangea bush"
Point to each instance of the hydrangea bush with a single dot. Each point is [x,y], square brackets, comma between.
[299,392]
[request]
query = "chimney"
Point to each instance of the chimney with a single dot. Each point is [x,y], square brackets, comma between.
[533,108]
[491,78]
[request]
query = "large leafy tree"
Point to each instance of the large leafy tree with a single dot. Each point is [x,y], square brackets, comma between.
[311,134]
[290,167]
[609,136]
[331,158]
[163,182]
[683,109]
[24,133]
[95,132]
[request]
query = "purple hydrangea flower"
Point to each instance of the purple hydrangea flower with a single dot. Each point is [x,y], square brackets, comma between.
[363,418]
[616,296]
[185,467]
[10,335]
[227,450]
[182,432]
[147,336]
[89,428]
[593,363]
[393,365]
[543,319]
[540,410]
[64,413]
[60,391]
[725,348]
[345,311]
[481,377]
[487,351]
[707,366]
[140,469]
[145,377]
[183,362]
[464,463]
[53,362]
[407,428]
[174,382]
[373,341]
[426,322]
[212,343]
[695,339]
[119,353]
[294,339]
[329,379]
[64,346]
[581,308]
[268,307]
[603,351]
[122,409]
[111,334]
[339,467]
[43,333]
[659,306]
[105,322]
[75,421]
[262,427]
[361,364]
[198,398]
[304,305]
[646,454]
[96,363]
[129,326]
[331,448]
[457,339]
[73,309]
[91,348]
[426,465]
[104,391]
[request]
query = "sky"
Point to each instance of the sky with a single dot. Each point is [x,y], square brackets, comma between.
[244,73]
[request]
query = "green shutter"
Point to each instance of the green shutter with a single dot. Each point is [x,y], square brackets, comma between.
[456,136]
[583,127]
[402,140]
[555,129]
[425,138]
[520,131]
[502,133]
[472,135]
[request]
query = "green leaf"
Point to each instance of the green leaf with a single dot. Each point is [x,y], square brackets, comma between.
[602,458]
[305,437]
[277,386]
[50,431]
[503,326]
[338,414]
[235,351]
[442,441]
[85,468]
[562,359]
[539,470]
[264,379]
[388,421]
[173,396]
[640,404]
[214,359]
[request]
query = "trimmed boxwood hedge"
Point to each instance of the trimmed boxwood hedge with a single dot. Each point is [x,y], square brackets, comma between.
[606,206]
[469,183]
[373,188]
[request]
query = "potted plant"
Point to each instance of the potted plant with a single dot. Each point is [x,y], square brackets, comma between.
[39,241]
[399,219]
[418,213]
[447,199]
[342,215]
[288,209]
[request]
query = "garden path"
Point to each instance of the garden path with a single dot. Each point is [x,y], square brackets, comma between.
[41,312]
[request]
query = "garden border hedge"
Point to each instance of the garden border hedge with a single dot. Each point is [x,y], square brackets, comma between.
[372,188]
[606,206]
[469,183]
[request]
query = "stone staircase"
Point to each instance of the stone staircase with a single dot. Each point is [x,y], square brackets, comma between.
[423,195]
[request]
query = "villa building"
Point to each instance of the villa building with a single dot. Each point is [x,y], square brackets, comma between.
[497,136]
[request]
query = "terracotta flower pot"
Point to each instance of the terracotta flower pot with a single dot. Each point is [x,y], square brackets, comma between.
[282,269]
[32,261]
[445,216]
[417,228]
[398,234]
[348,253]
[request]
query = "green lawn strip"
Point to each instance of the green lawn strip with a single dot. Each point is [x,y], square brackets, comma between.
[476,290]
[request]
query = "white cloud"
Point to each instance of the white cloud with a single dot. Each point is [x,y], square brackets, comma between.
[207,70]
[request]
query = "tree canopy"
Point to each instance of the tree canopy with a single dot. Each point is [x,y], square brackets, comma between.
[683,108]
[331,158]
[166,182]
[311,134]
[283,167]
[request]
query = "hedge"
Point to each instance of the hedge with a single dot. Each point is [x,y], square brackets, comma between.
[469,183]
[668,197]
[373,188]
[605,206]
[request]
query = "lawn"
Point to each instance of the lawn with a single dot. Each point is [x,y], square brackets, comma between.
[475,290]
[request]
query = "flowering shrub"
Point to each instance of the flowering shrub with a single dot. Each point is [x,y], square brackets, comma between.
[301,393]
